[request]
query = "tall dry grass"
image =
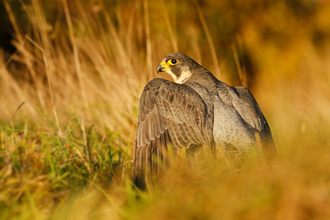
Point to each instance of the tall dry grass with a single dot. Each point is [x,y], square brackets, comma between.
[80,68]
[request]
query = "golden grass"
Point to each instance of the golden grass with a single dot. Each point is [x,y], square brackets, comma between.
[66,153]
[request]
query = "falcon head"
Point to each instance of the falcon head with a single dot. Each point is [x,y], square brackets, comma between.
[179,66]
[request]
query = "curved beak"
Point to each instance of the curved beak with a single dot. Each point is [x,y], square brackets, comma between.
[160,68]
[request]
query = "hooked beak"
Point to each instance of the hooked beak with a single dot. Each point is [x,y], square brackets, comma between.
[162,67]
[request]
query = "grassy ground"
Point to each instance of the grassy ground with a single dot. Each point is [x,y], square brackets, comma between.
[69,98]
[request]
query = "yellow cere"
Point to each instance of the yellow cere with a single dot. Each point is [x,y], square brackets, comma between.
[164,65]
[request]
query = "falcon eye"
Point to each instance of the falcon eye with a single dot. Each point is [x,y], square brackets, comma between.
[173,61]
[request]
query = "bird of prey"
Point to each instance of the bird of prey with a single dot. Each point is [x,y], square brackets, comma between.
[193,111]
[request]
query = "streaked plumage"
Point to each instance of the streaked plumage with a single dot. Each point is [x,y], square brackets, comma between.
[195,110]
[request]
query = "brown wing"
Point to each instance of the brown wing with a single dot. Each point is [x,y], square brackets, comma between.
[170,114]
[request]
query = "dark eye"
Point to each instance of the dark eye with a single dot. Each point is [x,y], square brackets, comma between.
[173,61]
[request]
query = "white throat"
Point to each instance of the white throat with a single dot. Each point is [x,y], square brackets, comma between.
[185,75]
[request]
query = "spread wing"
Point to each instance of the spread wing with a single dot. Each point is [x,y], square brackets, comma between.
[170,114]
[247,107]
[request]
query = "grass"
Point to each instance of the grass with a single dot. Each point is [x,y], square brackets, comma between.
[41,169]
[80,68]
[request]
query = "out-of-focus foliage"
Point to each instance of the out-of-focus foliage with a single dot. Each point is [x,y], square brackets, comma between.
[265,33]
[80,67]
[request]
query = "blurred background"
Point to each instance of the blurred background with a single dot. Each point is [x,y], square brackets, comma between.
[92,58]
[80,67]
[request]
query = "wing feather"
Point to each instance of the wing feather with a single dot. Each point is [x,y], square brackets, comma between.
[169,114]
[242,100]
[259,120]
[185,134]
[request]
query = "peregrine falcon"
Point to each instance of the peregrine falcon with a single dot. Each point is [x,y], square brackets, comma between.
[193,111]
